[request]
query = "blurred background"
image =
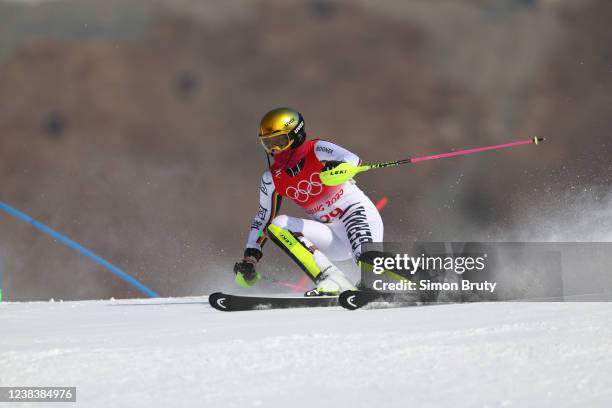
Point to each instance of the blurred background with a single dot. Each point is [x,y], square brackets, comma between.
[131,126]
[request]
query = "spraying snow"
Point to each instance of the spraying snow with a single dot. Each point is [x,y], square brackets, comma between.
[579,216]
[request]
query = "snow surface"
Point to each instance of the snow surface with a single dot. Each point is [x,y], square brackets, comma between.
[182,353]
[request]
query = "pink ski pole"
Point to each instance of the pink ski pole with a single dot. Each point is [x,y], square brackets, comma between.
[346,171]
[535,140]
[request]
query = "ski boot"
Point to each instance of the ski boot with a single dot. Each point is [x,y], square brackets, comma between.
[331,282]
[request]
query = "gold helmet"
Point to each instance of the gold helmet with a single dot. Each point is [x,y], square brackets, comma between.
[281,129]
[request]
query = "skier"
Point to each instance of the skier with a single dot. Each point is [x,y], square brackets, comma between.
[343,218]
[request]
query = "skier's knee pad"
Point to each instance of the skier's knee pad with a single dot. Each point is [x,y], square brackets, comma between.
[281,221]
[294,247]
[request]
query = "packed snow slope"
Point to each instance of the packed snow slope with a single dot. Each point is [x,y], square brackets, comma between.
[182,353]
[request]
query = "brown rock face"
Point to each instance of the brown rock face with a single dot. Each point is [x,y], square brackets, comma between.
[142,145]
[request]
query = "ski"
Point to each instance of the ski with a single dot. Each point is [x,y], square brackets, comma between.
[233,303]
[355,299]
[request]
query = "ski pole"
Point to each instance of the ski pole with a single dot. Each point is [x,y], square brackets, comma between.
[347,171]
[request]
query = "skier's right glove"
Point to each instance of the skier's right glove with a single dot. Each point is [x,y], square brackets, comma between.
[246,276]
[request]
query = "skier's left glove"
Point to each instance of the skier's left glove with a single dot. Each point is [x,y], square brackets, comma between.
[246,276]
[331,164]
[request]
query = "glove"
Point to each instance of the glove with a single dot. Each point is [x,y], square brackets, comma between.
[330,164]
[246,275]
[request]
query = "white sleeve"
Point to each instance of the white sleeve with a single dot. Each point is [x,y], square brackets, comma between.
[269,201]
[326,151]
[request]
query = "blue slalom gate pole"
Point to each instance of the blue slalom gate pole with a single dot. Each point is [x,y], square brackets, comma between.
[79,248]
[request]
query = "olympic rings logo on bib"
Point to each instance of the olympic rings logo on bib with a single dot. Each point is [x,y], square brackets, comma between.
[305,189]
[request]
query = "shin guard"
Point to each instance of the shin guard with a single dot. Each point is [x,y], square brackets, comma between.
[300,253]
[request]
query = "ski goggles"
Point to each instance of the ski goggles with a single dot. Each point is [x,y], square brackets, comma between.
[276,143]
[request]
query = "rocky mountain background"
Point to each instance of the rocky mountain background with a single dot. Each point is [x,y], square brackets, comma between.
[131,126]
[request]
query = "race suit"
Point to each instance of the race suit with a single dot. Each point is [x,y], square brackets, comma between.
[343,218]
